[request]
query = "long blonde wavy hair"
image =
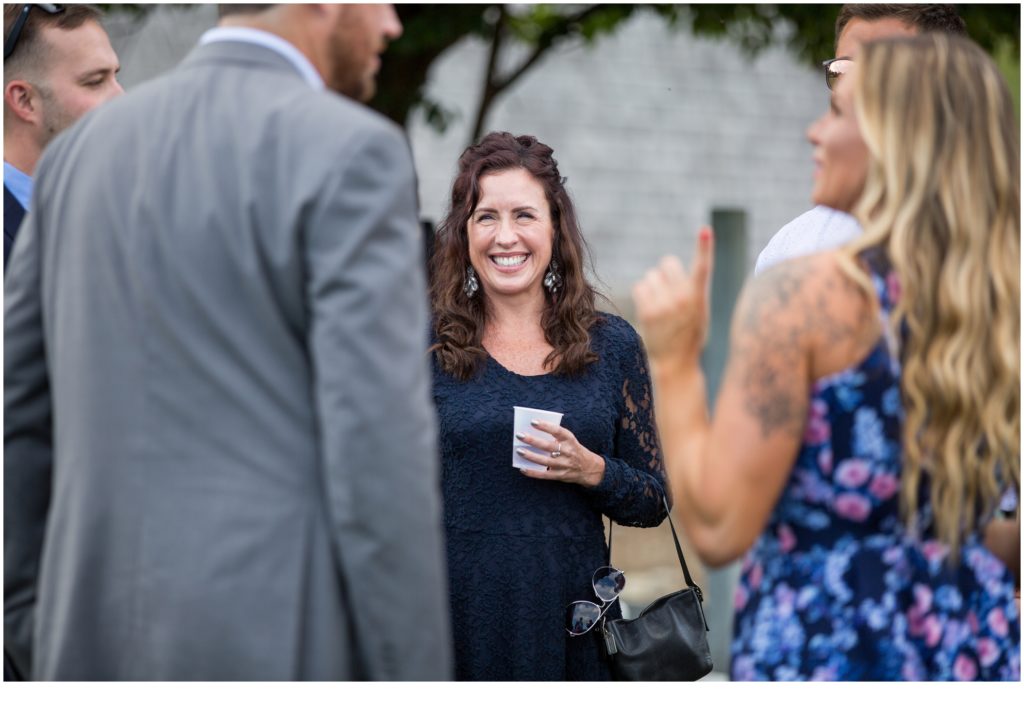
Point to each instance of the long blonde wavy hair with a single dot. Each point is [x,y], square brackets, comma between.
[942,199]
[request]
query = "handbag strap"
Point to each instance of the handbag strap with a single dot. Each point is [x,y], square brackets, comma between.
[679,548]
[679,551]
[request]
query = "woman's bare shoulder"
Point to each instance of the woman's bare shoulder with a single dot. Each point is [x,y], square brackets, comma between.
[816,304]
[815,288]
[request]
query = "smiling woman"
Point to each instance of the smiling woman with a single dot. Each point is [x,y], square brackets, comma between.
[522,179]
[510,234]
[840,156]
[515,325]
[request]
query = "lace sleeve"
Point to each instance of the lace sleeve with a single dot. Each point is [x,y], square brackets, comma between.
[634,477]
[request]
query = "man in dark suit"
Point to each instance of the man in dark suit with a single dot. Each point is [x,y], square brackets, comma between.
[220,450]
[58,65]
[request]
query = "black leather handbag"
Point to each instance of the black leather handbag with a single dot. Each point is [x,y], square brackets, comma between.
[668,641]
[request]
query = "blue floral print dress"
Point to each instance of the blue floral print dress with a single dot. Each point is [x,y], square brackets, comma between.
[836,588]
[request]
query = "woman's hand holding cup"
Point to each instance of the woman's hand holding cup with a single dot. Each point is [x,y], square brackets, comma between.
[564,457]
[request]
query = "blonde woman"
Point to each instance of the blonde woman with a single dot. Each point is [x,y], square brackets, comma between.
[869,419]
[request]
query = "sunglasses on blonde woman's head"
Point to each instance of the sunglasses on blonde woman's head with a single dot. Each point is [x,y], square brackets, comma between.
[835,67]
[12,38]
[582,616]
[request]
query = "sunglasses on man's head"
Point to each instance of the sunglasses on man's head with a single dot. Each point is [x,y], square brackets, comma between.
[582,616]
[19,24]
[835,67]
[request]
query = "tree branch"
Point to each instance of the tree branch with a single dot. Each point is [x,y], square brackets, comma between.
[489,91]
[544,42]
[493,85]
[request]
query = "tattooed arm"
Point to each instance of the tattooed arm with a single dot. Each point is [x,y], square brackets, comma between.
[799,321]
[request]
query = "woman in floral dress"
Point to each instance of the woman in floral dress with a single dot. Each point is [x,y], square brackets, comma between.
[869,420]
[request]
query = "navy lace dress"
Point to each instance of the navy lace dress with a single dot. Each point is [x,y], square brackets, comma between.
[520,549]
[836,588]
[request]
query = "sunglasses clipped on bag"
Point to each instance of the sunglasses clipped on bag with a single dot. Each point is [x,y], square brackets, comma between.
[19,24]
[835,67]
[582,616]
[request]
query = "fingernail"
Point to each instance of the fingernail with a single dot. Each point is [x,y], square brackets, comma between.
[520,451]
[520,436]
[535,422]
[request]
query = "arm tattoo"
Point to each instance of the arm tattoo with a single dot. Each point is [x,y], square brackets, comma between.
[775,320]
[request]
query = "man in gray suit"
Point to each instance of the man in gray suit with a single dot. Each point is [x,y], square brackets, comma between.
[220,456]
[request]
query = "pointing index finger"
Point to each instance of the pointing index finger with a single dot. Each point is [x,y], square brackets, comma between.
[704,262]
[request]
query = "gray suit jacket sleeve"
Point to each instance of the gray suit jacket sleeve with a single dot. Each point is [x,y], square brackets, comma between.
[28,449]
[377,426]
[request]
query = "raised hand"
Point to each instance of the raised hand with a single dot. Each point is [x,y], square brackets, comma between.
[673,305]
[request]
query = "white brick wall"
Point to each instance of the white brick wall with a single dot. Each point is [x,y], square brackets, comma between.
[652,127]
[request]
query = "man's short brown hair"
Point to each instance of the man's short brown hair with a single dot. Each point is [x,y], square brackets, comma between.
[30,50]
[925,18]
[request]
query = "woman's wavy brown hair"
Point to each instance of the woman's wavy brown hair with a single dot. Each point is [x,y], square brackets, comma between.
[459,320]
[942,199]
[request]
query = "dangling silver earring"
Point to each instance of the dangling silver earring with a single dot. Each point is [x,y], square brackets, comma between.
[471,285]
[552,280]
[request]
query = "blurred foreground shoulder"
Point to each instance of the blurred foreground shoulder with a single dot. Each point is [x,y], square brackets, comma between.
[346,123]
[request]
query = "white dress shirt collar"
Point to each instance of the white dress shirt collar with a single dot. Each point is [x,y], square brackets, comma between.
[270,41]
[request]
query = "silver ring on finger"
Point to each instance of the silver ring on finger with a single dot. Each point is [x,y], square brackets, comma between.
[557,451]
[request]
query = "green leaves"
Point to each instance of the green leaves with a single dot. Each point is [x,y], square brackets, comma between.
[534,29]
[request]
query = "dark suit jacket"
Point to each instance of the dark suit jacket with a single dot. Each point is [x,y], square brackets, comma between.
[13,214]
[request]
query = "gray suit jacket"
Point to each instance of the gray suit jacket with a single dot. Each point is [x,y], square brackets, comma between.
[220,449]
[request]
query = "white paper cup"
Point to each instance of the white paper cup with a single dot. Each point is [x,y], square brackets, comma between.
[523,417]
